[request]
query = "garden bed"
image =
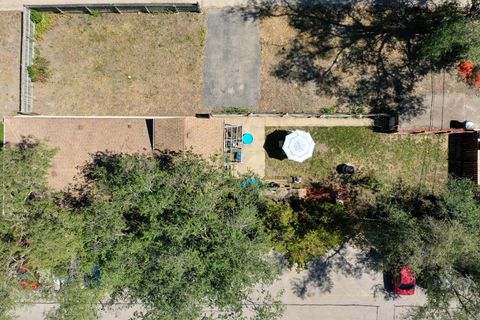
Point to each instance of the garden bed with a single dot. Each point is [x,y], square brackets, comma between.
[121,64]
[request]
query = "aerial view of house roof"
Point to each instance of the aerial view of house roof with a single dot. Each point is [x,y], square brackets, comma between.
[241,159]
[77,139]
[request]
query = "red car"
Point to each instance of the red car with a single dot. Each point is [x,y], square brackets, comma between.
[404,282]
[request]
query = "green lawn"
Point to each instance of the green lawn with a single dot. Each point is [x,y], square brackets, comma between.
[413,158]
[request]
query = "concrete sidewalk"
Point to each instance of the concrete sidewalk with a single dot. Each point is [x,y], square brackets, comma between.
[339,288]
[12,5]
[254,154]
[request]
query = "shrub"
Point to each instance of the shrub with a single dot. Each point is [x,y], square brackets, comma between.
[236,110]
[36,16]
[329,110]
[38,71]
[95,13]
[202,34]
[469,73]
[43,22]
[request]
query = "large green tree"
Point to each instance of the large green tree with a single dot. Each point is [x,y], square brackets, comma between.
[306,230]
[438,236]
[457,35]
[176,234]
[37,234]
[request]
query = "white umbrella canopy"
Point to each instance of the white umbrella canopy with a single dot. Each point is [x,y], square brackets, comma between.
[298,146]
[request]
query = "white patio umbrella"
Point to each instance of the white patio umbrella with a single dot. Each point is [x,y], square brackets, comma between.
[298,146]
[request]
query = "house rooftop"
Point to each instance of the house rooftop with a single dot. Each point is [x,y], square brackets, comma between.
[79,138]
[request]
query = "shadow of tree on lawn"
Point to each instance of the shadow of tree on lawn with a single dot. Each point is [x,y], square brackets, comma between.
[363,55]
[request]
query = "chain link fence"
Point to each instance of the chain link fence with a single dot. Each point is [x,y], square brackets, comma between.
[28,51]
[28,32]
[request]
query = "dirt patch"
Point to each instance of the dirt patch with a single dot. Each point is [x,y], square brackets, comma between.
[321,148]
[354,58]
[123,64]
[277,94]
[10,52]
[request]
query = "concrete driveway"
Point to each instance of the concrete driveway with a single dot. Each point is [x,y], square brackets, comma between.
[339,287]
[444,98]
[232,60]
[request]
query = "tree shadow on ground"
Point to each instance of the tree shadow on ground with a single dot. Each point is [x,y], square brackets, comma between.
[348,260]
[26,143]
[273,142]
[363,55]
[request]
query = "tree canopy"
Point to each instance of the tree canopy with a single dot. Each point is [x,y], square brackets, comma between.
[37,233]
[177,234]
[437,236]
[172,233]
[305,230]
[457,35]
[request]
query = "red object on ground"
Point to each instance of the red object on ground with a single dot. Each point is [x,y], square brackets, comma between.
[465,69]
[327,195]
[320,194]
[404,282]
[27,279]
[470,73]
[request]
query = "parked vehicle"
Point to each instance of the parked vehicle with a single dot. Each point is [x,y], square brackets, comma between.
[404,282]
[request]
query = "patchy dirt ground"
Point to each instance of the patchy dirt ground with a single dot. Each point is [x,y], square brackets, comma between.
[357,59]
[10,52]
[277,94]
[123,64]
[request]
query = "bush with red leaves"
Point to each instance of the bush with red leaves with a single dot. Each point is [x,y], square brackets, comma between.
[470,73]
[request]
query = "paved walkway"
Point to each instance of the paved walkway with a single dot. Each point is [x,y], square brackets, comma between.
[232,60]
[254,154]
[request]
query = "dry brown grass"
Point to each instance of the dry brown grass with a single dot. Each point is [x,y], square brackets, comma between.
[365,74]
[10,42]
[128,64]
[276,94]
